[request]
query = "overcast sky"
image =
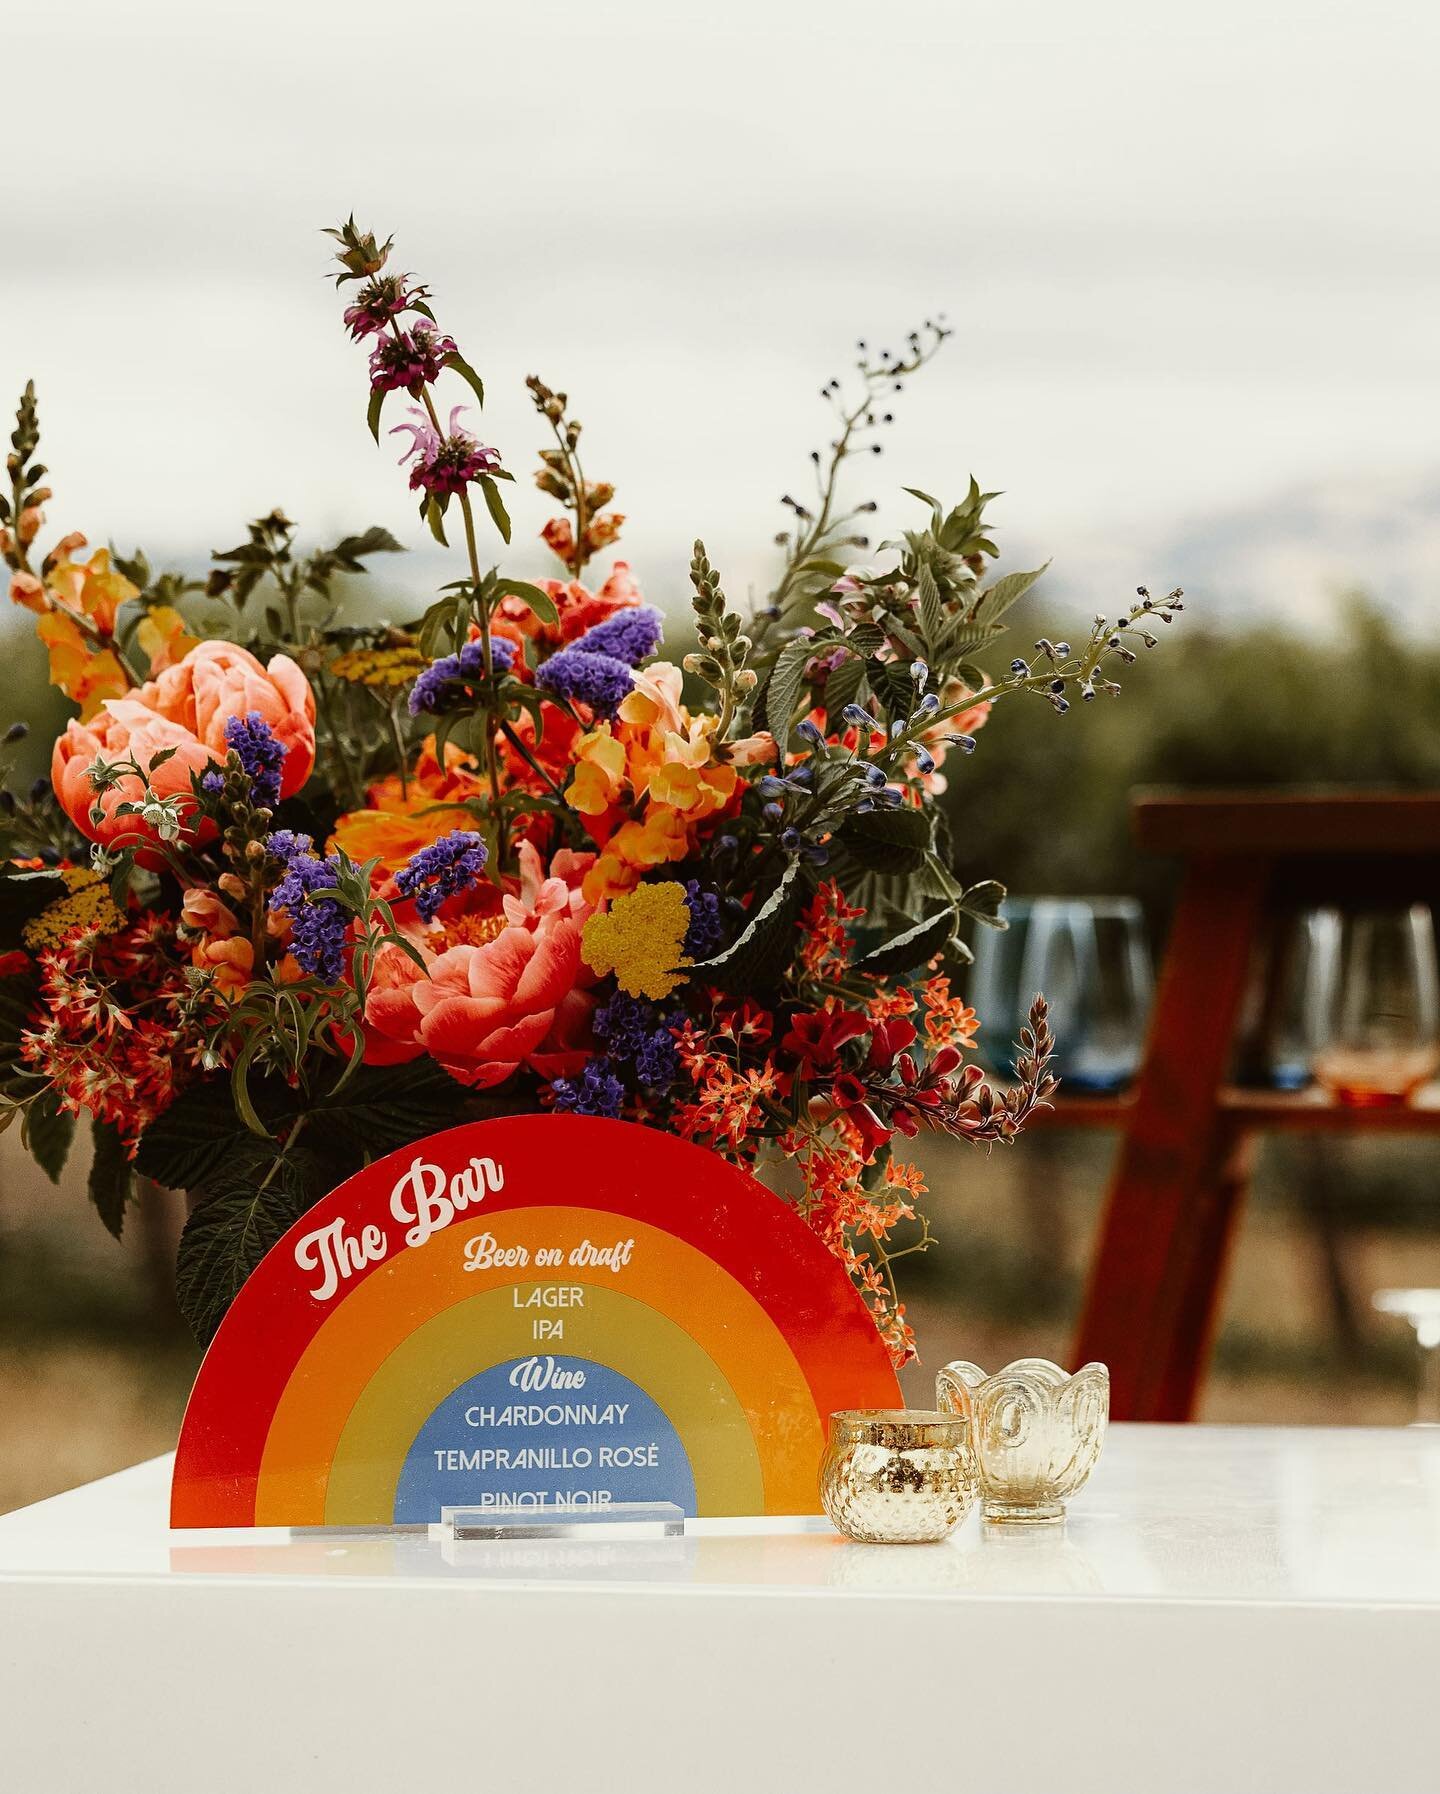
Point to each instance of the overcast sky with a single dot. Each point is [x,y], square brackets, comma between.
[1192,253]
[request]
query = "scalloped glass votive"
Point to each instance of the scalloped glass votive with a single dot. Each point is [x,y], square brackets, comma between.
[897,1476]
[1036,1432]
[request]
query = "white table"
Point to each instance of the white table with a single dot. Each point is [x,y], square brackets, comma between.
[1226,1609]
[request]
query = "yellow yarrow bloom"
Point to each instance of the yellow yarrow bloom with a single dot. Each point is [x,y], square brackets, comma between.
[380,668]
[87,903]
[639,939]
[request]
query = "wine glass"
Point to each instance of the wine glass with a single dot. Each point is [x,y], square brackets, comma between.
[1421,1307]
[1090,958]
[1284,1025]
[1379,1006]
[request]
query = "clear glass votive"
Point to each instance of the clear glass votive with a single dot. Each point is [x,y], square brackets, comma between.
[1035,1430]
[897,1476]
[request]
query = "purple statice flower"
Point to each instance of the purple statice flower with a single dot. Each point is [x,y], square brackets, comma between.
[638,1034]
[597,1091]
[451,864]
[596,668]
[657,1064]
[317,926]
[442,685]
[285,843]
[598,680]
[410,359]
[261,755]
[630,635]
[379,301]
[213,781]
[706,932]
[445,465]
[622,1023]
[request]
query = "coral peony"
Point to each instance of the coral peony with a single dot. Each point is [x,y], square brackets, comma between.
[483,1011]
[185,708]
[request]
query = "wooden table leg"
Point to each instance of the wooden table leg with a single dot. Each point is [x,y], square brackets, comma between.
[1174,1195]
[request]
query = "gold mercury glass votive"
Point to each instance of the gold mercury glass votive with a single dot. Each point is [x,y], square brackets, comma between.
[1036,1433]
[897,1476]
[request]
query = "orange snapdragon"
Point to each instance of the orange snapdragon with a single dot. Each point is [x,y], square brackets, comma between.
[646,782]
[78,604]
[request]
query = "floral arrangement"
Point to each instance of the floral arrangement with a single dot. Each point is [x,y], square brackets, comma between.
[300,888]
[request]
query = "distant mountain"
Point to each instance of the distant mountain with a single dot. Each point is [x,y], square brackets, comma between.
[1290,557]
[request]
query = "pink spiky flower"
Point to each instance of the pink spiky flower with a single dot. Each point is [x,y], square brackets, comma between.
[445,465]
[410,359]
[381,300]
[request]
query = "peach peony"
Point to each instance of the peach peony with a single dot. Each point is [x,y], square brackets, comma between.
[483,1011]
[185,708]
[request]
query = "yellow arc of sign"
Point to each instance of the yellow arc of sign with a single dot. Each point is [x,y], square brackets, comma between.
[618,1331]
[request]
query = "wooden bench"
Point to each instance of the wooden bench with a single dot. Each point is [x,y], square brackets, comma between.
[1187,1134]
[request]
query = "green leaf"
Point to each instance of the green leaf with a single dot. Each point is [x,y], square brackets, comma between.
[435,517]
[925,499]
[782,689]
[759,955]
[385,1106]
[499,516]
[18,996]
[932,613]
[983,902]
[866,638]
[893,685]
[187,1145]
[539,601]
[109,1176]
[964,636]
[373,410]
[238,1220]
[47,1133]
[458,363]
[917,945]
[350,551]
[888,841]
[995,600]
[843,687]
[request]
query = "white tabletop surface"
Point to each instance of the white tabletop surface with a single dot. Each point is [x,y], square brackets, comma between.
[1226,1608]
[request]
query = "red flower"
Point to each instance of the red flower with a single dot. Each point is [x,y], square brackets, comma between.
[817,1037]
[887,1038]
[853,1098]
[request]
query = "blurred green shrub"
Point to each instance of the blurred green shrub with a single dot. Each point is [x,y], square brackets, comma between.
[1043,805]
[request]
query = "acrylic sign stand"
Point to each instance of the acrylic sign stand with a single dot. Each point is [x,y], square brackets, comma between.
[538,1313]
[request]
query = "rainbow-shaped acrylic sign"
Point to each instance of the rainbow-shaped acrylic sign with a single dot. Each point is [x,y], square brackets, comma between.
[524,1312]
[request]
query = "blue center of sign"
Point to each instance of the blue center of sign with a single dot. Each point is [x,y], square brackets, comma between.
[534,1432]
